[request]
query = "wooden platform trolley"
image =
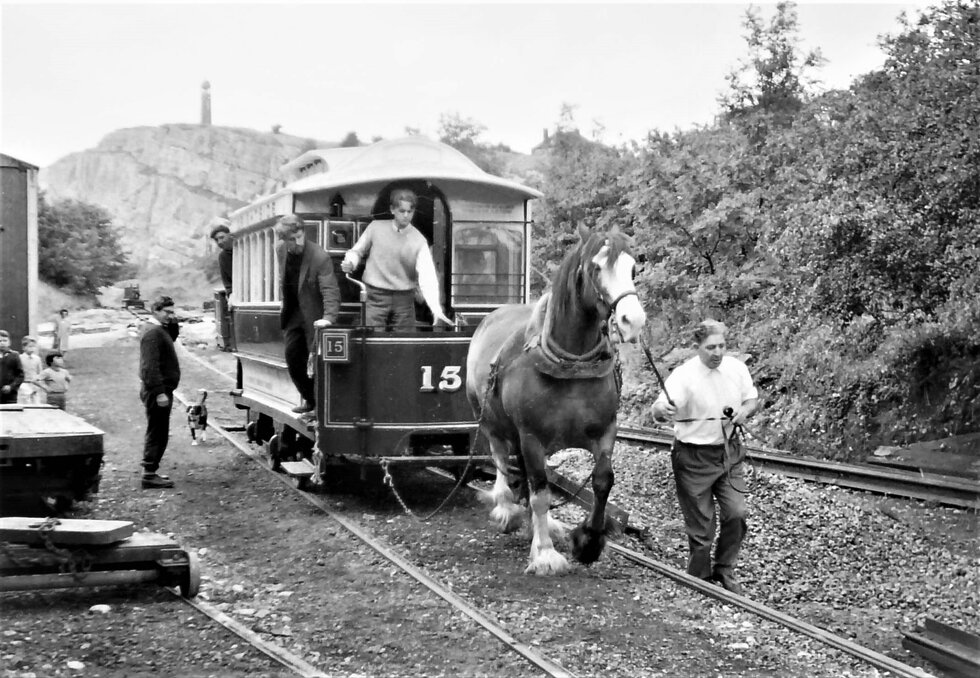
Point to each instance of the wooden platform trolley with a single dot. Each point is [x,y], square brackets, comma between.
[48,459]
[54,553]
[383,398]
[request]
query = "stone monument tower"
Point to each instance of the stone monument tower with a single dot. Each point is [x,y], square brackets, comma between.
[206,103]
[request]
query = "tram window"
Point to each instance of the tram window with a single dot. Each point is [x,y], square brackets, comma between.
[488,263]
[340,236]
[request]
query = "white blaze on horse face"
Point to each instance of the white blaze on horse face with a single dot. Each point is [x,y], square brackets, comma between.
[615,280]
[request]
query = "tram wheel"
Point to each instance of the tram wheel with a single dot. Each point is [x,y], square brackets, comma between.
[251,432]
[274,454]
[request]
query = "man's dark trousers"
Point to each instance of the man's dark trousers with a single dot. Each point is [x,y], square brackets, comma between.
[703,474]
[297,354]
[157,431]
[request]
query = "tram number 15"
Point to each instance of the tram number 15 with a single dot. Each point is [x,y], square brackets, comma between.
[449,379]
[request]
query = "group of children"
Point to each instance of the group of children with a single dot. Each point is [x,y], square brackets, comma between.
[23,380]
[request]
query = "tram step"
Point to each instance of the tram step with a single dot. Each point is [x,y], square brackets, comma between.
[298,469]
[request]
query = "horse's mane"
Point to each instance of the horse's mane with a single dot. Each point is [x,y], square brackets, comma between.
[568,288]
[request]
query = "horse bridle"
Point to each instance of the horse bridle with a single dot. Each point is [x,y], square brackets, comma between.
[610,305]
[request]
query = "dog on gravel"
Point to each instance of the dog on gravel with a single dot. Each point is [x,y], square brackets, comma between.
[197,417]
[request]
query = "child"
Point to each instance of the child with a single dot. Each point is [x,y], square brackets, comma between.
[30,393]
[11,373]
[54,379]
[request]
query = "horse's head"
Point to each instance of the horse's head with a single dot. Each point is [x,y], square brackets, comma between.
[611,266]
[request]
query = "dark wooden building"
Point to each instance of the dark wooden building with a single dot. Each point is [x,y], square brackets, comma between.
[18,248]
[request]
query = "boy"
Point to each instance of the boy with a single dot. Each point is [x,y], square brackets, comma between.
[11,372]
[398,259]
[30,361]
[54,379]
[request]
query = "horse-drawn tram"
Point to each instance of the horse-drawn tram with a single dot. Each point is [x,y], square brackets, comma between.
[381,396]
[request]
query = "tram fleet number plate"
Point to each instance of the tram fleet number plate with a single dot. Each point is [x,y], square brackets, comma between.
[336,347]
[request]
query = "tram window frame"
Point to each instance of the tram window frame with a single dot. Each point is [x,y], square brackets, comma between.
[346,227]
[510,276]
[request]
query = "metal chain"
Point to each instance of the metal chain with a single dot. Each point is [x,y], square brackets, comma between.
[390,482]
[77,563]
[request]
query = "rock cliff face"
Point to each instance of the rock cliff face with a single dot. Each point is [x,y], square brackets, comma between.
[165,184]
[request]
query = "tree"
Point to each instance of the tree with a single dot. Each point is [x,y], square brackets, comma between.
[776,78]
[78,246]
[464,134]
[350,141]
[581,185]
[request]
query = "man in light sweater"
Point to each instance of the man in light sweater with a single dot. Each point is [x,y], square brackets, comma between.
[398,260]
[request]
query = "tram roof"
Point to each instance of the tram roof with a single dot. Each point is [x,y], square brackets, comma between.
[412,157]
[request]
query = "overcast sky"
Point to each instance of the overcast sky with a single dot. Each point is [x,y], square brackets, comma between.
[72,73]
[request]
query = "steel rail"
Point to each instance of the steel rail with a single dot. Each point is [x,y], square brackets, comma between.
[950,648]
[874,658]
[945,490]
[280,654]
[548,666]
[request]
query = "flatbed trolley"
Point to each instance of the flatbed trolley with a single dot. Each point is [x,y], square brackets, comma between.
[51,553]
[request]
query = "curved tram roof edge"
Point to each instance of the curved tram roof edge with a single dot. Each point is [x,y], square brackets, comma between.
[385,162]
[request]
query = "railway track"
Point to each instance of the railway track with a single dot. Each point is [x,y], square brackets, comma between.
[532,656]
[535,658]
[943,490]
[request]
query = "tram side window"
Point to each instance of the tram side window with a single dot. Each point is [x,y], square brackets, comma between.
[488,260]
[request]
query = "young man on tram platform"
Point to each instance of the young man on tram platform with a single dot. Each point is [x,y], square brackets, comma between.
[310,298]
[706,456]
[398,261]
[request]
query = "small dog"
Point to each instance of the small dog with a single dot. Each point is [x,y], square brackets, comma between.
[197,417]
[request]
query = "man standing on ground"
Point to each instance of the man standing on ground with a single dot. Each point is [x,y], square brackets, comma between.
[706,397]
[159,376]
[310,298]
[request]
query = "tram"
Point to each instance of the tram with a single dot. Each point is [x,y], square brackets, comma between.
[382,396]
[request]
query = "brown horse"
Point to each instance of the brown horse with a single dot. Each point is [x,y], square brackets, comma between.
[542,378]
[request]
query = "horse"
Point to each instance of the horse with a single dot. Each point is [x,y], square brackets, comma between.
[544,377]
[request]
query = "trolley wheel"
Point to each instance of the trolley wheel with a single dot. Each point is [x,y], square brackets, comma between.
[274,457]
[251,432]
[190,581]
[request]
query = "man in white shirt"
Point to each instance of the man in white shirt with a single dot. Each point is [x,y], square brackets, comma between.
[398,260]
[706,397]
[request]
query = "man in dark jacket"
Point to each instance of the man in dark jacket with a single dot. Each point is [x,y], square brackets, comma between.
[159,377]
[222,237]
[11,370]
[310,298]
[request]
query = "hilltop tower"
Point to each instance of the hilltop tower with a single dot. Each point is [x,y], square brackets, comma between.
[206,103]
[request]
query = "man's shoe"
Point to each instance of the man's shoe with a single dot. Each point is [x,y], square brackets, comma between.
[726,581]
[303,408]
[152,481]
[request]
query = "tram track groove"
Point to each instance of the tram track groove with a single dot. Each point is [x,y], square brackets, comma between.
[276,652]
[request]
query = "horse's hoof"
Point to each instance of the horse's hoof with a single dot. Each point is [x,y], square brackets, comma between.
[547,562]
[506,519]
[587,544]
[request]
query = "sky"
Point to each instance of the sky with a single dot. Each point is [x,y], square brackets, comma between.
[73,72]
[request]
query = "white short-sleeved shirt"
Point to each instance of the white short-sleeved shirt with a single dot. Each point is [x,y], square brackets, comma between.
[701,395]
